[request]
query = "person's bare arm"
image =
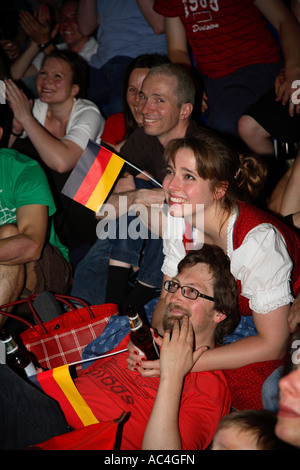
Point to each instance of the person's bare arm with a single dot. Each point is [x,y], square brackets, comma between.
[288,30]
[177,357]
[23,67]
[270,343]
[32,221]
[155,20]
[177,42]
[59,154]
[87,16]
[294,315]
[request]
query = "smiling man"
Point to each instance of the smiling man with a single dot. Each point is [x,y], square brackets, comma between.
[28,64]
[166,104]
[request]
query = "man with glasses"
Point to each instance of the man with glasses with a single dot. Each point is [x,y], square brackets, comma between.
[203,299]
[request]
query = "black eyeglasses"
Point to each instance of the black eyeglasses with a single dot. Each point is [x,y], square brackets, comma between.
[188,292]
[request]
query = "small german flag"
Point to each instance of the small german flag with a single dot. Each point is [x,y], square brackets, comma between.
[93,176]
[58,384]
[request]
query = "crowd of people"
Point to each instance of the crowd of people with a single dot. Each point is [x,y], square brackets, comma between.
[195,95]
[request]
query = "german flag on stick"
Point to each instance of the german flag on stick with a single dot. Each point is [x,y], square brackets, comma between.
[58,384]
[94,176]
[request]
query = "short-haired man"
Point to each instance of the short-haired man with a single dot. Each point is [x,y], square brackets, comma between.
[166,104]
[206,292]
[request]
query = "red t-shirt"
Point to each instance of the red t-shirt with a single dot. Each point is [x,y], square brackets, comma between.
[114,129]
[224,35]
[109,388]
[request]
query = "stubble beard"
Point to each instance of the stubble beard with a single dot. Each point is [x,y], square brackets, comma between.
[169,319]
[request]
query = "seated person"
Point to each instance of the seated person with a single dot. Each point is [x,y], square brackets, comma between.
[206,184]
[119,126]
[274,116]
[32,259]
[59,127]
[206,305]
[61,121]
[166,104]
[235,51]
[42,40]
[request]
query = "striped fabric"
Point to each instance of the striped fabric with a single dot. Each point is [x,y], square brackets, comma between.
[93,176]
[58,384]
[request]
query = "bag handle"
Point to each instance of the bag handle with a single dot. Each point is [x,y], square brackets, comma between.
[67,299]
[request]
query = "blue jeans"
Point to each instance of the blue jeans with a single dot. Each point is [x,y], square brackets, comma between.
[90,279]
[232,95]
[269,391]
[27,416]
[105,84]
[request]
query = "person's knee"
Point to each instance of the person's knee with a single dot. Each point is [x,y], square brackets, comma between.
[247,127]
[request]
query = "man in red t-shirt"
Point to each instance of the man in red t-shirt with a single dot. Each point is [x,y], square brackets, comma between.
[234,49]
[203,298]
[109,387]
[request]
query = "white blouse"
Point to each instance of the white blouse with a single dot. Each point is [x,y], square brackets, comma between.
[262,263]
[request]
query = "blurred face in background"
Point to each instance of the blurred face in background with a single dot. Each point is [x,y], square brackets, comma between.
[68,26]
[133,92]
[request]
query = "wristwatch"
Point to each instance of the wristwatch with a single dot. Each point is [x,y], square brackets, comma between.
[42,47]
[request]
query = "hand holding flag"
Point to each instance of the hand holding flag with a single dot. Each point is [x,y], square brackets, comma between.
[94,176]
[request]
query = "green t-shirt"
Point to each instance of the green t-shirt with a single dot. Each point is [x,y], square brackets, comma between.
[23,182]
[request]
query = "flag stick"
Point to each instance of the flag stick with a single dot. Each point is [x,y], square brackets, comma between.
[98,357]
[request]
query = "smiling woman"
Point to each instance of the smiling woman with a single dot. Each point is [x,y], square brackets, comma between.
[206,175]
[119,126]
[58,128]
[60,124]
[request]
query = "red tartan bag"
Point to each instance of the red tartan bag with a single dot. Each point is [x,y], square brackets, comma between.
[61,340]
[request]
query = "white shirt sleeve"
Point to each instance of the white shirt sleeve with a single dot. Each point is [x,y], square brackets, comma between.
[86,122]
[173,247]
[263,265]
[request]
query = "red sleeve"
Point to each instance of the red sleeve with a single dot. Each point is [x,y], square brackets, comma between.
[165,8]
[114,129]
[205,400]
